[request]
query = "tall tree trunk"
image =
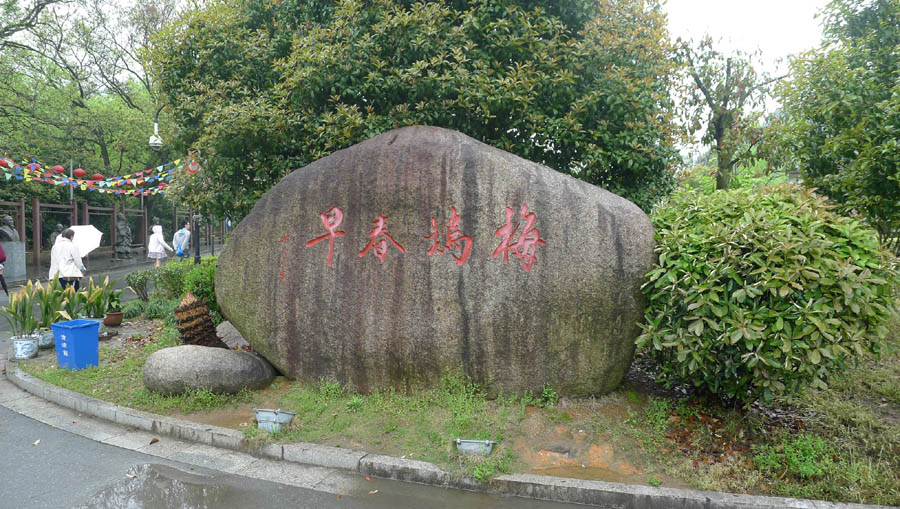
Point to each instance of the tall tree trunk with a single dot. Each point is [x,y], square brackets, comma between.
[104,150]
[723,170]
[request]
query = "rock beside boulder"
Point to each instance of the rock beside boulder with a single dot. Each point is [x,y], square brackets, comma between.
[183,368]
[231,336]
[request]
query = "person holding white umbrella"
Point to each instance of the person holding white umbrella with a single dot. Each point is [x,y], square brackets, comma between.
[65,260]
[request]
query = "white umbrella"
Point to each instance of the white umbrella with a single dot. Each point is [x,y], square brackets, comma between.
[86,239]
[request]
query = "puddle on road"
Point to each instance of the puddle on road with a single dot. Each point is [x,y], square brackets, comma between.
[152,486]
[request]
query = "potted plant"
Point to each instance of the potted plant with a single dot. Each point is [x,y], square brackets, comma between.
[49,299]
[113,307]
[22,322]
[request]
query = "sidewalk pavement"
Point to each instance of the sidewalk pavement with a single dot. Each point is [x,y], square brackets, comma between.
[226,450]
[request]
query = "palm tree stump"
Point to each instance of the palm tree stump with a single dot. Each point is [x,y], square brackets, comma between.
[194,323]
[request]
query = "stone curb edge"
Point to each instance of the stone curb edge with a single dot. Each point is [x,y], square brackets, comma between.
[559,489]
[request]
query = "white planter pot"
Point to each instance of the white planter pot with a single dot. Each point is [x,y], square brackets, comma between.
[25,347]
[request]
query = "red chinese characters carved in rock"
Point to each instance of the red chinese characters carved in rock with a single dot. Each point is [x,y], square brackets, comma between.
[379,243]
[331,219]
[455,239]
[525,246]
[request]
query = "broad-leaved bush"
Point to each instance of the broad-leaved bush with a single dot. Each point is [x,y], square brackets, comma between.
[761,293]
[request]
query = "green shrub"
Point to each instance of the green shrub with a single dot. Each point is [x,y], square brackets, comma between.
[160,308]
[762,292]
[139,283]
[168,279]
[133,309]
[201,282]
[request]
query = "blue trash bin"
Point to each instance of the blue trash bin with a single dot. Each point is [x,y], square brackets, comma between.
[77,343]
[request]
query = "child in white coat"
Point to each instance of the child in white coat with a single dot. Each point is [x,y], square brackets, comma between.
[157,245]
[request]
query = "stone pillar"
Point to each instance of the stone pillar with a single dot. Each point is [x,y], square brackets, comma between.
[20,219]
[35,232]
[14,267]
[73,214]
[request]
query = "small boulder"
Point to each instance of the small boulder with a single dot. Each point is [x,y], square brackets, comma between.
[231,336]
[183,368]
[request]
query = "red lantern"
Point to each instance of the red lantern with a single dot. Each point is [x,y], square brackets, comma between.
[97,176]
[5,163]
[80,173]
[58,169]
[34,167]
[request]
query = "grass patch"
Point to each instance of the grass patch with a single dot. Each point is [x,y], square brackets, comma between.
[421,425]
[118,378]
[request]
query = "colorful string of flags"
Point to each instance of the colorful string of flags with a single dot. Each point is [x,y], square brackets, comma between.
[147,182]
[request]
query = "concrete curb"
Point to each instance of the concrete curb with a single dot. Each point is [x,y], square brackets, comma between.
[598,493]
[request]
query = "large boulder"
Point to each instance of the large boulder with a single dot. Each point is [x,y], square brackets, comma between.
[422,251]
[179,369]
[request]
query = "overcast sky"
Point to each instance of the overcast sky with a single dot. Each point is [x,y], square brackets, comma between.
[777,27]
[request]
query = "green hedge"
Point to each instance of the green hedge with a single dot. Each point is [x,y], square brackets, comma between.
[763,292]
[168,280]
[201,282]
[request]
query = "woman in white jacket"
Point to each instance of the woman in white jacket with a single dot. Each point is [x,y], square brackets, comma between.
[65,260]
[157,245]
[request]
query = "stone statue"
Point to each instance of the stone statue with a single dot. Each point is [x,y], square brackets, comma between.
[8,229]
[123,237]
[55,233]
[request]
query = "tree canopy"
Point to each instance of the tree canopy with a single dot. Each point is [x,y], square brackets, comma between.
[74,89]
[841,115]
[262,87]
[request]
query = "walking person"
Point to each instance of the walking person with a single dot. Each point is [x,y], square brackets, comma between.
[182,241]
[156,248]
[65,261]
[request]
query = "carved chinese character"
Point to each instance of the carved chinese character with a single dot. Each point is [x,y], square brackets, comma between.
[455,239]
[380,245]
[525,246]
[331,219]
[435,238]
